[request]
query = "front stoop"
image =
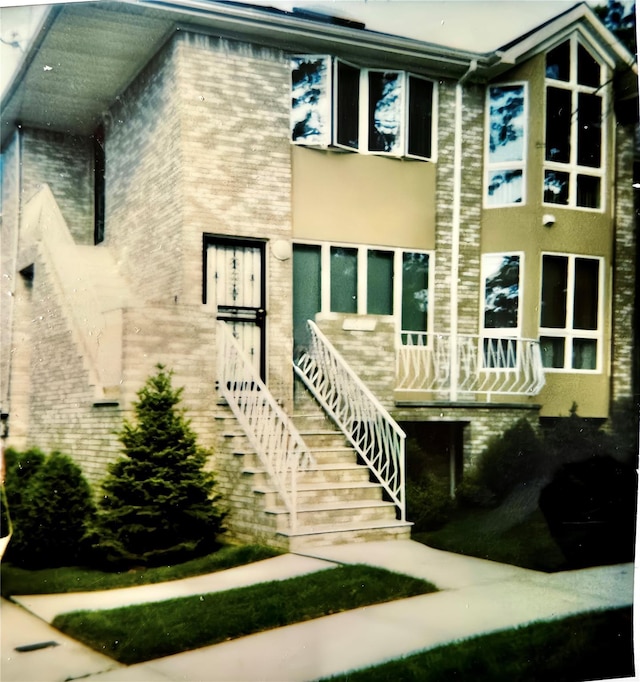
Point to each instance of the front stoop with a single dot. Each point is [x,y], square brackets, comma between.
[337,501]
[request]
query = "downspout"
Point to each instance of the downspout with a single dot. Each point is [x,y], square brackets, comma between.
[455,233]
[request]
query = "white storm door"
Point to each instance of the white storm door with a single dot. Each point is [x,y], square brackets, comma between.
[236,286]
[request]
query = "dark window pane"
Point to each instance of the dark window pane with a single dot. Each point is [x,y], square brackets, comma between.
[556,187]
[584,354]
[589,130]
[380,283]
[588,68]
[385,112]
[501,292]
[306,290]
[558,128]
[310,109]
[558,62]
[588,191]
[505,187]
[344,280]
[553,306]
[348,98]
[415,291]
[420,117]
[552,351]
[585,298]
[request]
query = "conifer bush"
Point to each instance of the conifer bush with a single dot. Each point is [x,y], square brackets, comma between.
[159,503]
[51,506]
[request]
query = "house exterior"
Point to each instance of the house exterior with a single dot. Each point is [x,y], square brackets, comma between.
[459,227]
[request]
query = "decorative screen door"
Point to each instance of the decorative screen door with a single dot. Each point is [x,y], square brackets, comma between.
[236,287]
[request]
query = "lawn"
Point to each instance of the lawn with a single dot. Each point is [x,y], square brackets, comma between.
[145,631]
[481,533]
[15,580]
[584,647]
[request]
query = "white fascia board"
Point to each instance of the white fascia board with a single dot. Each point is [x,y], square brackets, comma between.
[580,18]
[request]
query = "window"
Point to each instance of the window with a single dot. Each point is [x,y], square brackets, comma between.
[570,312]
[366,110]
[506,142]
[575,109]
[360,280]
[500,315]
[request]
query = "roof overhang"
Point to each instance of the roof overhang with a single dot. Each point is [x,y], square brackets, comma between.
[85,54]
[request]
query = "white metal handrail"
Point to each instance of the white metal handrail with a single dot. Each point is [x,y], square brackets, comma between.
[364,421]
[487,365]
[277,442]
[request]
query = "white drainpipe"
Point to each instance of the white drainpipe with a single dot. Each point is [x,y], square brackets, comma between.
[455,233]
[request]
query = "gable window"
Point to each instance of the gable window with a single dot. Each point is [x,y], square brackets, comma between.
[365,110]
[571,312]
[506,140]
[360,280]
[574,121]
[501,319]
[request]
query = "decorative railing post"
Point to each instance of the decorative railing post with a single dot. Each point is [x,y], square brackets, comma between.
[364,421]
[276,440]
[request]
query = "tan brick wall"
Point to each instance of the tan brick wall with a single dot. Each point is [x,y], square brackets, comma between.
[8,239]
[234,108]
[65,163]
[143,189]
[624,272]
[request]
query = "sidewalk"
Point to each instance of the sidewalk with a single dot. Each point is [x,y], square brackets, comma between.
[476,597]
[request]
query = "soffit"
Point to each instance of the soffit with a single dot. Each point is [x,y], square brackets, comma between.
[86,54]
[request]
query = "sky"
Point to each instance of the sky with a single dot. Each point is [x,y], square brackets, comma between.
[463,24]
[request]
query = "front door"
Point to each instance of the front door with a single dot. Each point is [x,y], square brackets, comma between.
[236,287]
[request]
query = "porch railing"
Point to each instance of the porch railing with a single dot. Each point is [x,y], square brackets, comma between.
[277,442]
[364,421]
[483,365]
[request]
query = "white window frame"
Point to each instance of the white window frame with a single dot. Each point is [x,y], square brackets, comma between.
[490,167]
[362,281]
[500,332]
[568,333]
[363,111]
[573,169]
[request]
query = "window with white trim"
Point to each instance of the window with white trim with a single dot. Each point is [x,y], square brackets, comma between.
[361,280]
[575,115]
[501,277]
[369,111]
[506,145]
[571,312]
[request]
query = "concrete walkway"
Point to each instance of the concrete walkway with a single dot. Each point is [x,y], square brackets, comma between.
[476,597]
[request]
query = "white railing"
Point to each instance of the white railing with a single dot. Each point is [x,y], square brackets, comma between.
[276,440]
[366,424]
[485,365]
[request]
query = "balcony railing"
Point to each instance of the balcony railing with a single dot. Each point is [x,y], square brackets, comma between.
[276,440]
[455,368]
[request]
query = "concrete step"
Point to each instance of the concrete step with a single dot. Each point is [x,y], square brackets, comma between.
[302,539]
[335,514]
[319,494]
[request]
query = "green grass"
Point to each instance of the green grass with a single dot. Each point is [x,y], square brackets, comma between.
[78,579]
[475,533]
[584,647]
[142,632]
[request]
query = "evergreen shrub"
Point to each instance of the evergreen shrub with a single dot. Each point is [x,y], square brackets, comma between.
[429,503]
[159,504]
[51,505]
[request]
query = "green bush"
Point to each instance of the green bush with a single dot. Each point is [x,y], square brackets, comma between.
[159,503]
[429,503]
[51,504]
